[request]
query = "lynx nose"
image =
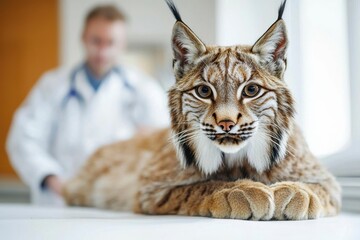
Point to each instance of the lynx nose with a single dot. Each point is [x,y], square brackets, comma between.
[226,125]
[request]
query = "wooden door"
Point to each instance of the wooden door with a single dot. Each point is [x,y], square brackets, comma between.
[29,43]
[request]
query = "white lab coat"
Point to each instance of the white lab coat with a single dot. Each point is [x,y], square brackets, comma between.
[51,135]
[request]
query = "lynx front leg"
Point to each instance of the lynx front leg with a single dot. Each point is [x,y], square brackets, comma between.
[241,200]
[296,200]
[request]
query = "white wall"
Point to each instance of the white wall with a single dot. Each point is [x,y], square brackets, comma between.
[325,68]
[353,8]
[244,21]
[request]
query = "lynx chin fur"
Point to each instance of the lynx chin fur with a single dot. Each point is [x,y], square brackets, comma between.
[233,149]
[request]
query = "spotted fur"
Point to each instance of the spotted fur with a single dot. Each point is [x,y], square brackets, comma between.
[233,150]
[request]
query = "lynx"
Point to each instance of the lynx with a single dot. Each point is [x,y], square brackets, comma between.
[233,149]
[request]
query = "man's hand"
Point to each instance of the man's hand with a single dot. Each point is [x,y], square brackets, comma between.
[54,183]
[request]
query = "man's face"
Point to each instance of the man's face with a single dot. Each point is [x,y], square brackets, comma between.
[103,41]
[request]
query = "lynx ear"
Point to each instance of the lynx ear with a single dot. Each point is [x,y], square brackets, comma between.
[187,47]
[272,45]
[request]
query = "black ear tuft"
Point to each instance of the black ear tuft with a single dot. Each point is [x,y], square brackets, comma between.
[186,46]
[173,9]
[281,10]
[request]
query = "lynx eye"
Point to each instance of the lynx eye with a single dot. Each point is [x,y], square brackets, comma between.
[204,91]
[251,90]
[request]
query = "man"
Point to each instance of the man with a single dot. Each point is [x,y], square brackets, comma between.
[70,113]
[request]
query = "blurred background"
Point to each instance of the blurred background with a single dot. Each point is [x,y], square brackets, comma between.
[323,60]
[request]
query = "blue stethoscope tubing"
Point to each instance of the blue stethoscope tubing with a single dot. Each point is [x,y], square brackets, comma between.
[73,92]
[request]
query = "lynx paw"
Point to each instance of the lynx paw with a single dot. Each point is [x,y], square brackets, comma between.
[247,200]
[295,201]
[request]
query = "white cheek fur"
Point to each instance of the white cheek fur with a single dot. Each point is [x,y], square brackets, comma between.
[208,156]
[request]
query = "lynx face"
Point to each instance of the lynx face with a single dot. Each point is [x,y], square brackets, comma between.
[229,100]
[230,103]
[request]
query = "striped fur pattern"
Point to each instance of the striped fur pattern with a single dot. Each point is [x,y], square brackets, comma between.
[233,150]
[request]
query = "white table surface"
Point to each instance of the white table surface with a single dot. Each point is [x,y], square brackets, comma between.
[30,222]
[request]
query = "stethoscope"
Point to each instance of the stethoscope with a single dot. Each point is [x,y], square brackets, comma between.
[74,93]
